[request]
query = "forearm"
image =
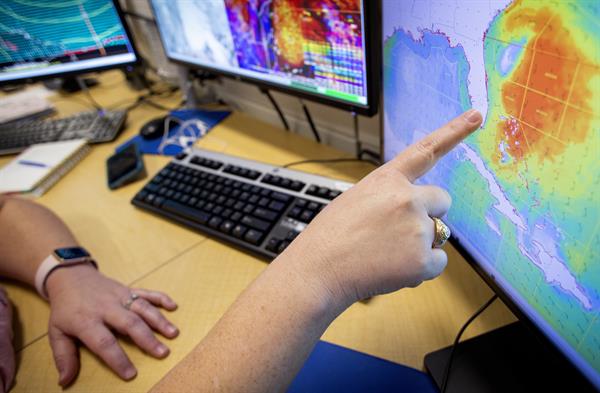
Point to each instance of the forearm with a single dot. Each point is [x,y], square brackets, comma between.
[262,341]
[28,233]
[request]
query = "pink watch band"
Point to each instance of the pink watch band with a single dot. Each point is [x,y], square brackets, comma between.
[50,264]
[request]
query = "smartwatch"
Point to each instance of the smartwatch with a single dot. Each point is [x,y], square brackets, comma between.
[61,257]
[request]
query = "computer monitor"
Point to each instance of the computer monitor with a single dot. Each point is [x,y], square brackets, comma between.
[526,186]
[324,50]
[48,38]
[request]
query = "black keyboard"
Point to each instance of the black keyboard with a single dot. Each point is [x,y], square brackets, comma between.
[94,126]
[256,206]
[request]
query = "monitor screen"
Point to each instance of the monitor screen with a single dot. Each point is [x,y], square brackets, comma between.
[526,186]
[46,38]
[315,47]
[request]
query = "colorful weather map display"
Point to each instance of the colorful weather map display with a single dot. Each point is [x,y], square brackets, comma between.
[314,45]
[526,186]
[48,31]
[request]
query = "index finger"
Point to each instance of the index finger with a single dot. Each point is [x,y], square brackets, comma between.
[419,157]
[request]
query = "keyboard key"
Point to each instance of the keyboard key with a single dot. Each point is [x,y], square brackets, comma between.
[255,223]
[253,236]
[295,212]
[186,212]
[323,192]
[238,231]
[226,226]
[306,216]
[281,197]
[301,202]
[273,244]
[140,196]
[236,216]
[291,235]
[296,185]
[277,206]
[253,199]
[313,206]
[334,194]
[215,222]
[282,246]
[265,214]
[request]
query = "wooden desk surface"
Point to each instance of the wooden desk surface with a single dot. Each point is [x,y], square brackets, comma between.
[204,276]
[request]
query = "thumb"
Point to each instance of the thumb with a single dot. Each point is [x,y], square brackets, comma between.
[66,355]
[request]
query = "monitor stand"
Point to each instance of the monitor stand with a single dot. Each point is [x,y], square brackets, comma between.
[509,359]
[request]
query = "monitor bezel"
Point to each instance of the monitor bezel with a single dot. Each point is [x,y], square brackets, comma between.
[521,315]
[372,41]
[30,79]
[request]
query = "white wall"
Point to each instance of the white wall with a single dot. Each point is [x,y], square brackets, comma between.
[335,126]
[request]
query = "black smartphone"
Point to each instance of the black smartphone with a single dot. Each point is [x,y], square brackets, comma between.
[125,167]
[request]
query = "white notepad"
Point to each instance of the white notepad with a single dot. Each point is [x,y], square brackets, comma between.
[40,166]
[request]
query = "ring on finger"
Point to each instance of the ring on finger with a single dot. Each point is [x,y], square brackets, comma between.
[442,233]
[132,298]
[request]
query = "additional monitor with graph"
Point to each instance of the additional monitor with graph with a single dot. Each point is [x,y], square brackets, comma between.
[526,187]
[319,48]
[46,38]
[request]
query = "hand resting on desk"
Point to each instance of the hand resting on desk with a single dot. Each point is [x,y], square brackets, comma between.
[85,305]
[375,238]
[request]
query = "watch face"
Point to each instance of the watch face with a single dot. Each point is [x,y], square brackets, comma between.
[71,253]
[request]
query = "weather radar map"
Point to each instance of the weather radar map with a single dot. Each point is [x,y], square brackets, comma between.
[526,186]
[311,45]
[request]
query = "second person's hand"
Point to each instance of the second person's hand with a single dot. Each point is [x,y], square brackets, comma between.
[86,306]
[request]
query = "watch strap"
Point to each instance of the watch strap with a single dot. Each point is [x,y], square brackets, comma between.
[50,264]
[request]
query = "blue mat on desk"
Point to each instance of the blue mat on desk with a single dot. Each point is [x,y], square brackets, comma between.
[331,368]
[211,118]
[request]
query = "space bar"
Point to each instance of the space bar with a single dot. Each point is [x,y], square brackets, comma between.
[186,212]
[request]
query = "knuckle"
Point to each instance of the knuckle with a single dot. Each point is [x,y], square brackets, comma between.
[106,341]
[132,322]
[407,201]
[428,147]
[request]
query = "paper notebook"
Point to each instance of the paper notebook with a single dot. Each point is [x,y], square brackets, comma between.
[40,166]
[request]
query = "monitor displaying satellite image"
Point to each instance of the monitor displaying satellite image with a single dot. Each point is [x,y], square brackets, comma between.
[45,37]
[526,186]
[312,45]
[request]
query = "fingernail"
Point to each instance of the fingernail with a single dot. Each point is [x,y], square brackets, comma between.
[472,116]
[130,373]
[162,350]
[171,329]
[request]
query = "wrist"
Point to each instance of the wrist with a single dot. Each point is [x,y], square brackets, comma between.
[67,276]
[306,270]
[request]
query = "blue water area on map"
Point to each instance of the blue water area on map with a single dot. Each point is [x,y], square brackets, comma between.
[509,57]
[431,70]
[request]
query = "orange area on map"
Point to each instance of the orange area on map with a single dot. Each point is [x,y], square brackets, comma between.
[547,100]
[289,31]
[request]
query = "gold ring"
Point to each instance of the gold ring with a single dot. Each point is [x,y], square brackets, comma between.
[442,233]
[132,298]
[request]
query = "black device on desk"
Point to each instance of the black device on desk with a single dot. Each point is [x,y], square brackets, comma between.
[125,166]
[40,40]
[155,128]
[525,211]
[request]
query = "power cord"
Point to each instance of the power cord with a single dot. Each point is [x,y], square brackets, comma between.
[86,90]
[329,160]
[360,152]
[481,309]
